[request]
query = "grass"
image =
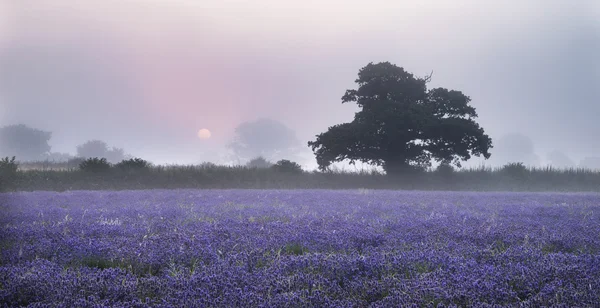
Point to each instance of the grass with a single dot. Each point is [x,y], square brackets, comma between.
[232,177]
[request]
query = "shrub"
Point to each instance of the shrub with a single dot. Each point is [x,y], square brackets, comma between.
[259,163]
[94,165]
[8,172]
[515,170]
[287,166]
[133,164]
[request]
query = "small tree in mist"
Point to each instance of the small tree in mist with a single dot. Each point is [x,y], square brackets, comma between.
[99,148]
[26,143]
[266,138]
[259,163]
[402,126]
[514,147]
[92,148]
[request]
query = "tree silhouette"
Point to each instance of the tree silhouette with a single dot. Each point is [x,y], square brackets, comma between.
[26,143]
[402,125]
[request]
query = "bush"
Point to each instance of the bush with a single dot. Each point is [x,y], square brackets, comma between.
[259,163]
[515,170]
[133,164]
[287,166]
[94,165]
[8,172]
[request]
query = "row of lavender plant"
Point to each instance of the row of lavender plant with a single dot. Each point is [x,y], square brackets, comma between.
[304,248]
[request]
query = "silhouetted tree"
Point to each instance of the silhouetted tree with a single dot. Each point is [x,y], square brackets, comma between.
[266,138]
[402,125]
[99,148]
[26,143]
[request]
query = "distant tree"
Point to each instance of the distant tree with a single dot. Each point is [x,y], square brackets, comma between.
[26,143]
[115,155]
[99,148]
[259,163]
[92,148]
[402,125]
[515,147]
[266,138]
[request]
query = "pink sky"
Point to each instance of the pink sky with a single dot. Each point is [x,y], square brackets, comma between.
[191,64]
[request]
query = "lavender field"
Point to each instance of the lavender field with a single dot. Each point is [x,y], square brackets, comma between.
[303,248]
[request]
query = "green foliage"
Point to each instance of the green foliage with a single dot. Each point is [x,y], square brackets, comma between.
[133,164]
[8,172]
[259,163]
[287,166]
[94,165]
[402,125]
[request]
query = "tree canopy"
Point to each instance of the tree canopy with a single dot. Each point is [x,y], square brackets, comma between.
[24,142]
[402,125]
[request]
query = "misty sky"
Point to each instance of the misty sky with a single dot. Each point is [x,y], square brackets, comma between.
[145,75]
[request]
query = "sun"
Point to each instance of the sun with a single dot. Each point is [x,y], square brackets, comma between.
[204,133]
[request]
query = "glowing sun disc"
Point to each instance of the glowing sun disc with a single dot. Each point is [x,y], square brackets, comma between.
[204,133]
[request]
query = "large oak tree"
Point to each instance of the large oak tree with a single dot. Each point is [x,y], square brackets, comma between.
[402,125]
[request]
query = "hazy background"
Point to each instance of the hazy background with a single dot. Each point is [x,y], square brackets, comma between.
[146,75]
